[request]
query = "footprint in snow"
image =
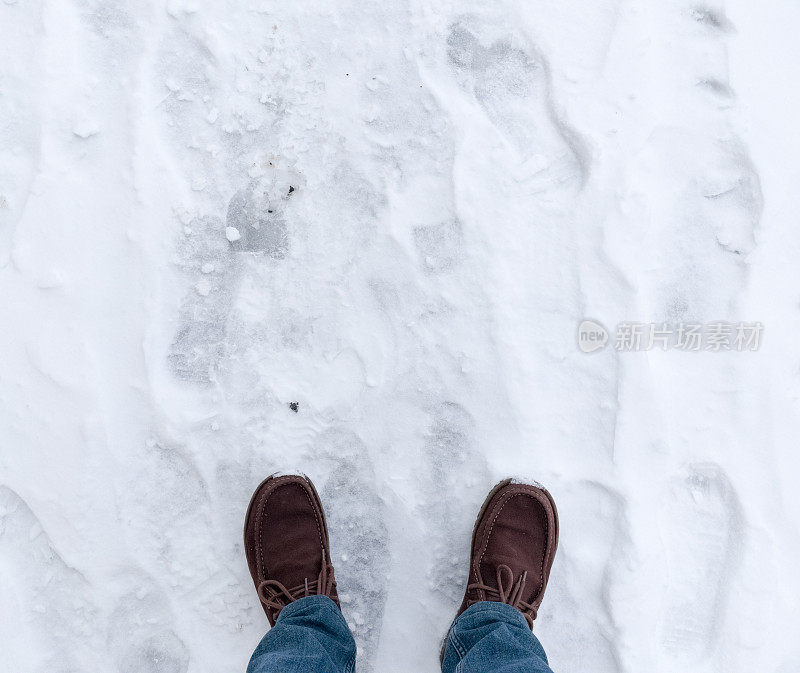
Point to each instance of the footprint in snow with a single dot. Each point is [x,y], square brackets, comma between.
[359,538]
[50,619]
[140,638]
[702,529]
[717,197]
[708,225]
[216,257]
[169,521]
[200,342]
[511,82]
[592,546]
[457,483]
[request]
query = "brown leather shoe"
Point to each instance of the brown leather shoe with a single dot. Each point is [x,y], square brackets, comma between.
[513,546]
[286,543]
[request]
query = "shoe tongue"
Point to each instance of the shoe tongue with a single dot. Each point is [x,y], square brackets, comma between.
[515,543]
[294,569]
[293,548]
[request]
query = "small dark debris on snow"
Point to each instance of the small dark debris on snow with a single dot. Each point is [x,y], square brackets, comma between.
[291,189]
[294,406]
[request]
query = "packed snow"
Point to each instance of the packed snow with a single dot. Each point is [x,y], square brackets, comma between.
[357,239]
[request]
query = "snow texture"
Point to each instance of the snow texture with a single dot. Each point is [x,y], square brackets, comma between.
[356,239]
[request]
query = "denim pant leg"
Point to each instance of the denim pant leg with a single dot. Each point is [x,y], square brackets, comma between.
[310,635]
[490,637]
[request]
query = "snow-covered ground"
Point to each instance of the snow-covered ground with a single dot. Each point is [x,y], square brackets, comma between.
[396,214]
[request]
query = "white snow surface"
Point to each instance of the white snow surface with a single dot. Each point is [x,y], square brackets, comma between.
[396,214]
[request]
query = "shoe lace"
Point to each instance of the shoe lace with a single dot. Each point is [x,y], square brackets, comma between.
[276,596]
[507,591]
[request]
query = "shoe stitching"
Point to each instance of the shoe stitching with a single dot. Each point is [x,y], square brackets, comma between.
[544,553]
[458,646]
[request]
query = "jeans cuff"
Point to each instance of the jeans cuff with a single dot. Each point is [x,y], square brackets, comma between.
[309,602]
[507,612]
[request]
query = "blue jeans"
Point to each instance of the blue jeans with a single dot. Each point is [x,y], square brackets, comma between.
[312,635]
